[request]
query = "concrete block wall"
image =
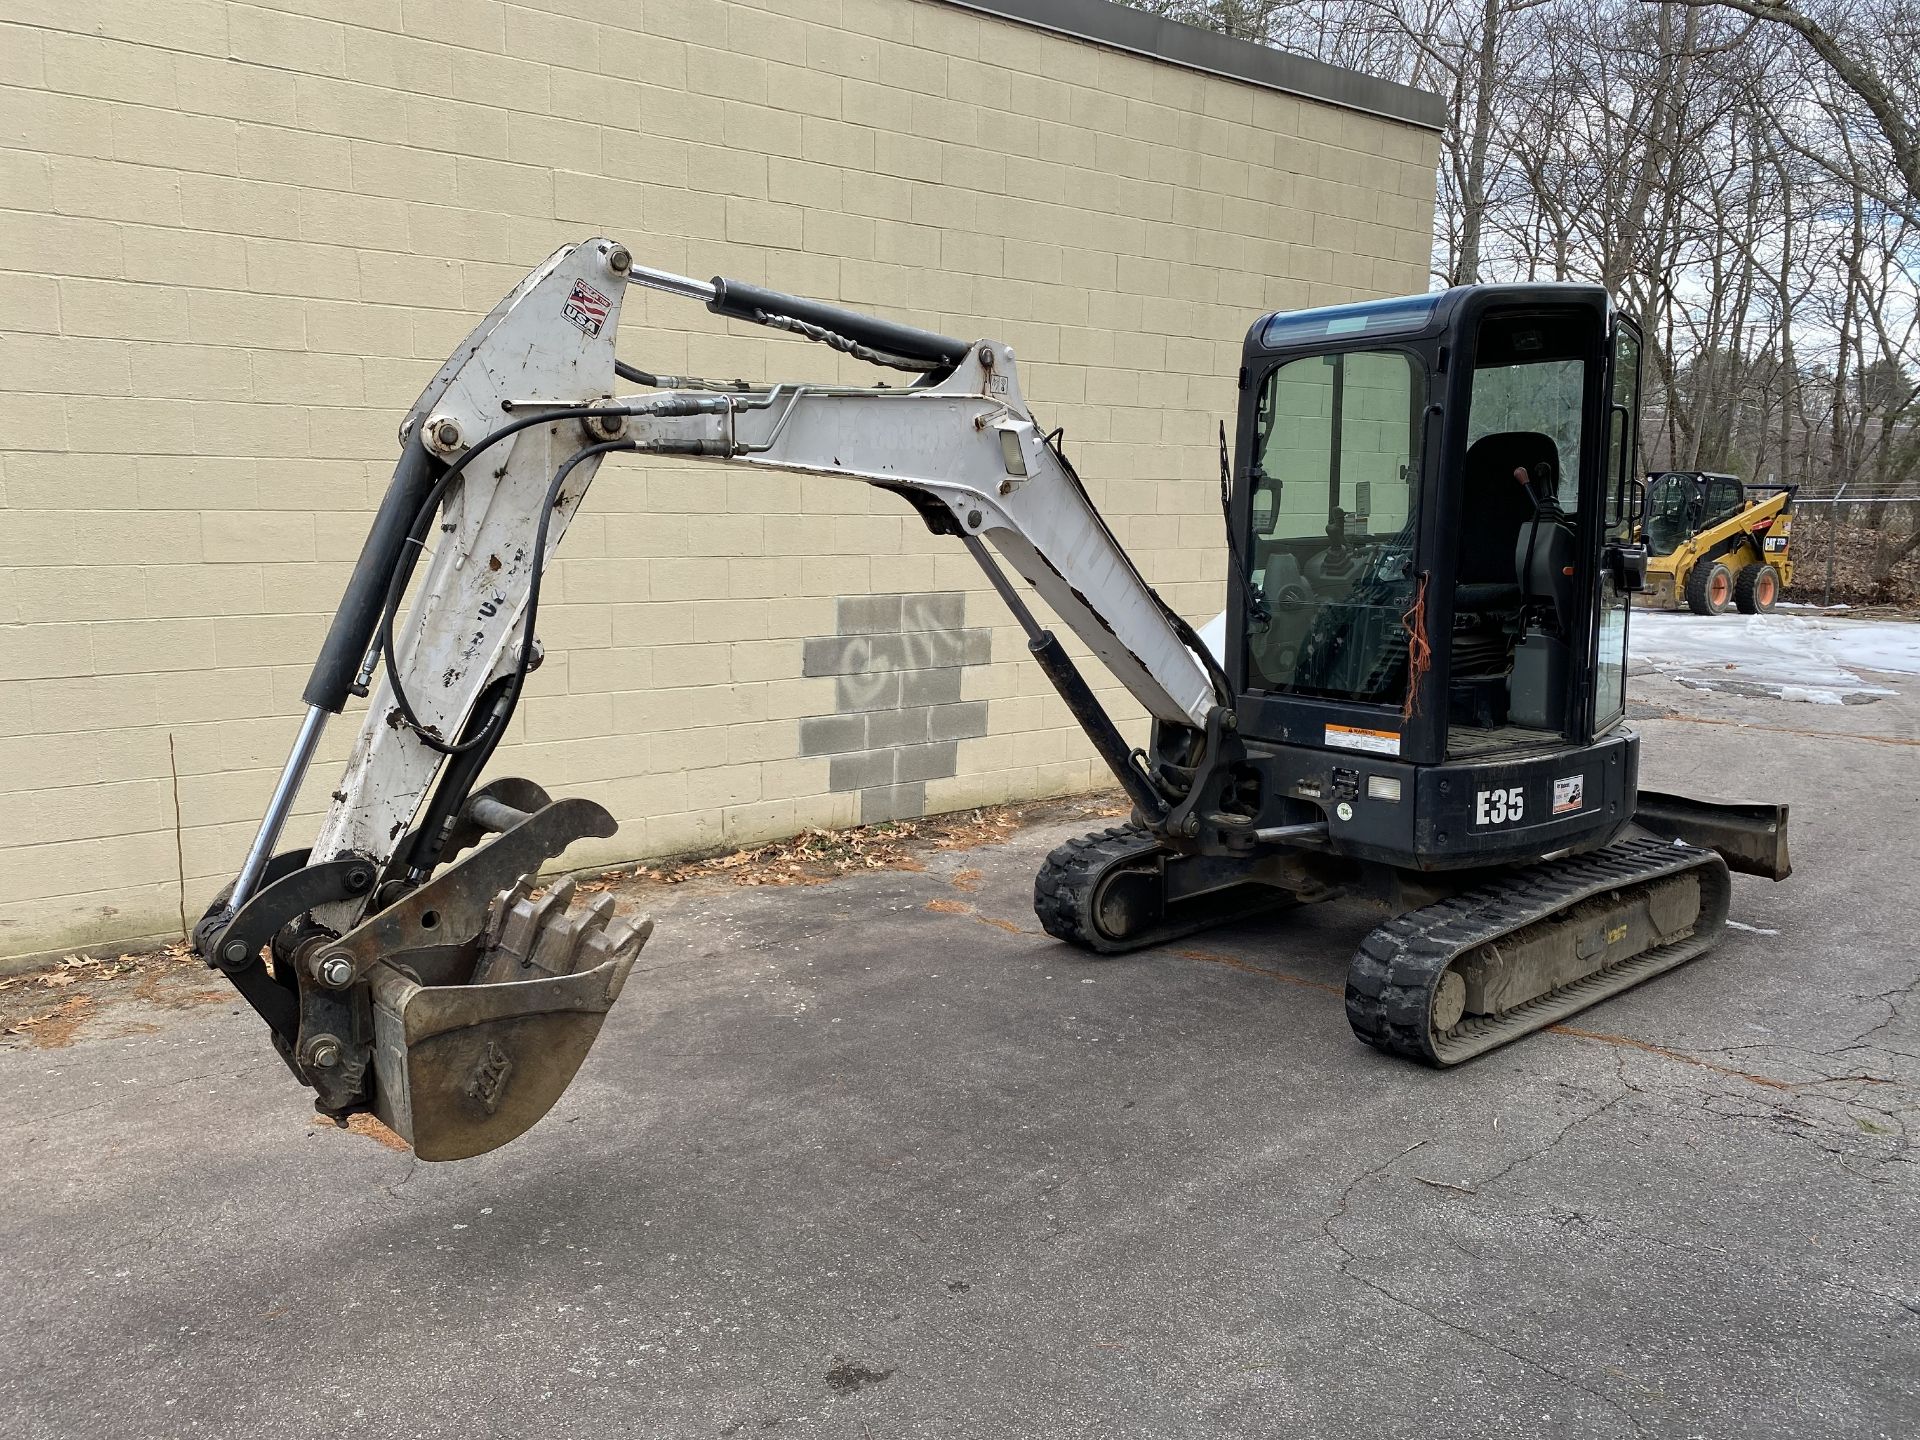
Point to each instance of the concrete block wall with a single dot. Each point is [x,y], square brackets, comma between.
[236,239]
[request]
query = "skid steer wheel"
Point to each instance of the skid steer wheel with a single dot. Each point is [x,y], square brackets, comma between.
[1757,589]
[1710,588]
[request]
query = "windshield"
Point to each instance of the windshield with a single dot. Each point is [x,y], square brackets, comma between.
[1335,494]
[1669,521]
[1541,397]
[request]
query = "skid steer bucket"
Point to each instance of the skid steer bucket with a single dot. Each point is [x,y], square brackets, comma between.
[478,999]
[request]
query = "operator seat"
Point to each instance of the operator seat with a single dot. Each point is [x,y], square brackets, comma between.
[1497,516]
[1544,555]
[1496,509]
[1666,524]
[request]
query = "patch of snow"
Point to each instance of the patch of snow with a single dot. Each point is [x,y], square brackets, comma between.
[1889,646]
[1793,657]
[1802,657]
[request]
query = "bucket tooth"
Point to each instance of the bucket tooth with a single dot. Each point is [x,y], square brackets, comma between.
[595,915]
[528,939]
[502,908]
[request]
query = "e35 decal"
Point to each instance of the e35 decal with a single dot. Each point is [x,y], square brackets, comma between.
[1499,807]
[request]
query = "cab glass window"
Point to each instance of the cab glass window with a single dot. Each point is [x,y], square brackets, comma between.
[1669,520]
[1335,493]
[1724,498]
[1543,398]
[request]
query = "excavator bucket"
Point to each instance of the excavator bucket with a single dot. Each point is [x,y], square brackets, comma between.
[485,995]
[463,1068]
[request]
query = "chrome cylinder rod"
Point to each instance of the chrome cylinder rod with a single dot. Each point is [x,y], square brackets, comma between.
[279,807]
[673,284]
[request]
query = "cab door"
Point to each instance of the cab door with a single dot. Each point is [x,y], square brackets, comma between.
[1609,668]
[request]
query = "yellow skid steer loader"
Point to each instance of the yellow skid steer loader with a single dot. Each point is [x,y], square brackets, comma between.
[1714,544]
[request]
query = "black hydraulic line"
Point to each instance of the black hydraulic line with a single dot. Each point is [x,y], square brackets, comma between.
[386,559]
[682,382]
[358,615]
[738,300]
[489,718]
[490,737]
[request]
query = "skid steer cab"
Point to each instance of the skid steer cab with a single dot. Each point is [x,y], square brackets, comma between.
[1419,699]
[1715,544]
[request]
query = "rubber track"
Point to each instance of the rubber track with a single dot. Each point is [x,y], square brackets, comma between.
[1391,980]
[1063,891]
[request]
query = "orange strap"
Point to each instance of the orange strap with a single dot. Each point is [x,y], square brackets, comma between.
[1419,652]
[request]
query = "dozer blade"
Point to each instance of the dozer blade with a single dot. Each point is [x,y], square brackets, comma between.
[1751,838]
[484,999]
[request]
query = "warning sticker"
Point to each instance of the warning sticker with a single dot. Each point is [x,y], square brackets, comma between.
[1569,794]
[586,307]
[1352,737]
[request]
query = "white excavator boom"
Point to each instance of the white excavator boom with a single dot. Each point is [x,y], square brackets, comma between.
[389,985]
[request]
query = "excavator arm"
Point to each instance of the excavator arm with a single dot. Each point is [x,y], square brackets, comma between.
[401,969]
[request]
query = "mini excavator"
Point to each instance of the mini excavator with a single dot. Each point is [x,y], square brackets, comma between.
[1416,694]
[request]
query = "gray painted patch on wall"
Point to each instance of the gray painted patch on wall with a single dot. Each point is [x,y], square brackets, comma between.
[896,662]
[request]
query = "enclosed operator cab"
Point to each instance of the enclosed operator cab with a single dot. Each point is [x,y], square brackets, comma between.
[1431,498]
[1680,504]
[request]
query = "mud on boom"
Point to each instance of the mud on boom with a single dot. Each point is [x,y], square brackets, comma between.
[1418,697]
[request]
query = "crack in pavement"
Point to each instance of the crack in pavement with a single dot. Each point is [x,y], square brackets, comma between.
[1895,1000]
[1680,1057]
[1350,1258]
[393,1189]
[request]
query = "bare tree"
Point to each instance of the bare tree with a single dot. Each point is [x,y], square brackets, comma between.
[1868,48]
[1742,175]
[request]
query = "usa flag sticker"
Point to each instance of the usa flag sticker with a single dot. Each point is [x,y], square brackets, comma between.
[586,307]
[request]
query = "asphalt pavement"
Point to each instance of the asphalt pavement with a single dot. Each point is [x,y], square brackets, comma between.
[877,1159]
